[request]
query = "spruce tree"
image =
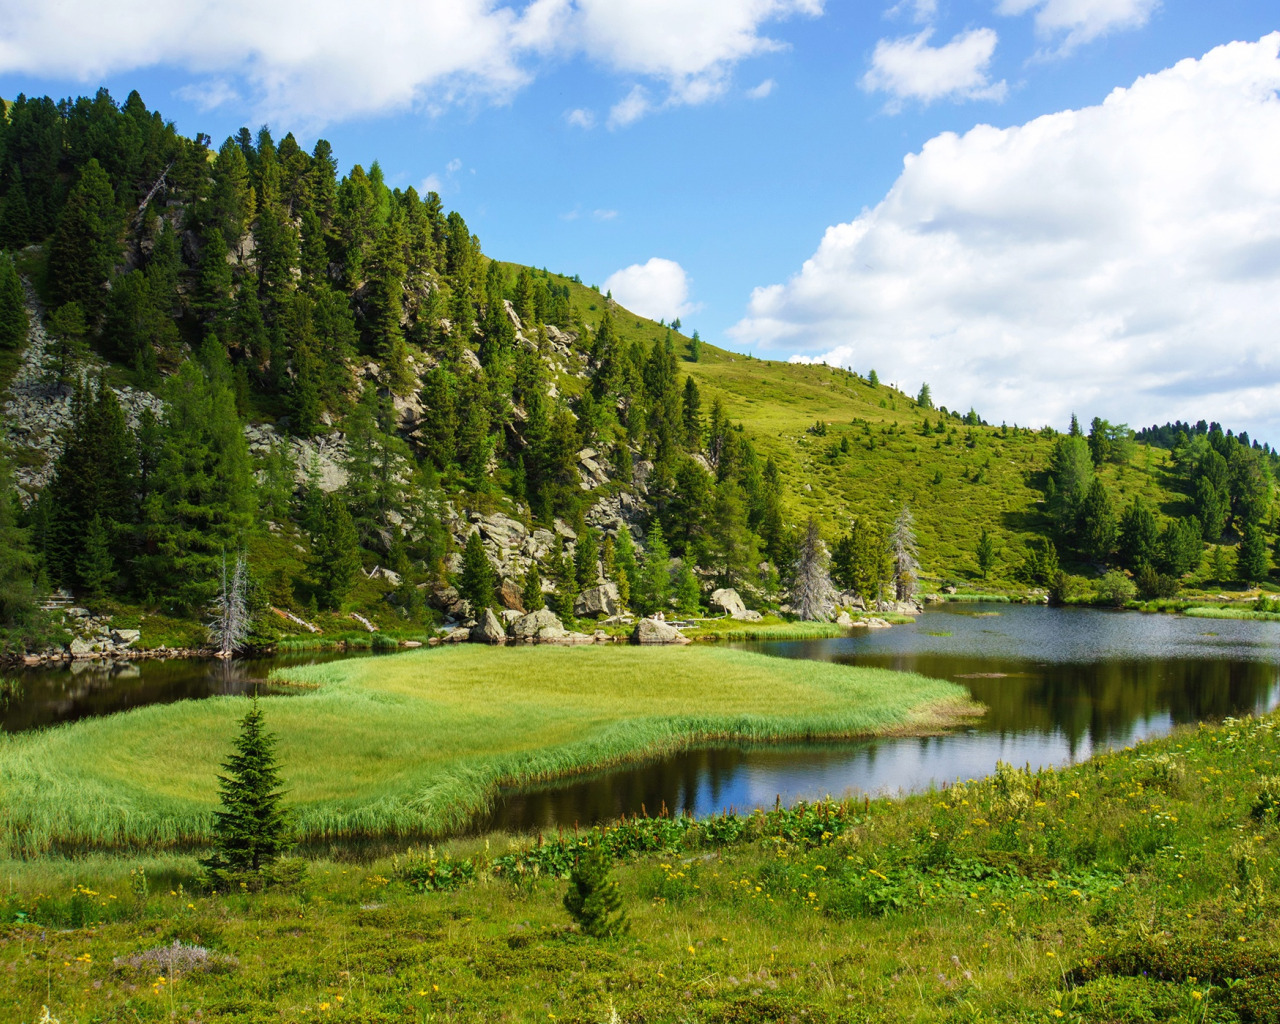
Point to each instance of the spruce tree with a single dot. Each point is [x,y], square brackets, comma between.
[652,590]
[593,899]
[335,553]
[94,565]
[17,566]
[475,584]
[202,501]
[251,830]
[1139,535]
[86,245]
[586,560]
[687,591]
[985,552]
[1251,556]
[531,592]
[1096,523]
[14,322]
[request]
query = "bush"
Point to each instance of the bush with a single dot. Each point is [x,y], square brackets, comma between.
[1115,589]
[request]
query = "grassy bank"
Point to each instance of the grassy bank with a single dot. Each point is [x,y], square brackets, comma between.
[1139,886]
[1249,614]
[416,743]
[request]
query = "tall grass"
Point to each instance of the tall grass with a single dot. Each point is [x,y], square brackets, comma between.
[977,598]
[418,743]
[1249,614]
[740,631]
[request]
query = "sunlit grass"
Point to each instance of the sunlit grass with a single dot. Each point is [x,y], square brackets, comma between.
[417,743]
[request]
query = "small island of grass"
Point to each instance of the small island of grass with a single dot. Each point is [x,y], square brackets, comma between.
[418,743]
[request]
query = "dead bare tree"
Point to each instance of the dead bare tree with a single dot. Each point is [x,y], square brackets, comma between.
[812,595]
[231,624]
[906,560]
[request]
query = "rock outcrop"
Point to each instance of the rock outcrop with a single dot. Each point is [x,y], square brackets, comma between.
[654,631]
[597,601]
[540,626]
[488,630]
[728,602]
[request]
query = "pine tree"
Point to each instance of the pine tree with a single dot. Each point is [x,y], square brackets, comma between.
[335,553]
[531,592]
[594,900]
[252,829]
[14,322]
[475,584]
[812,596]
[68,329]
[1251,556]
[1139,535]
[652,590]
[202,502]
[902,547]
[586,560]
[687,590]
[17,566]
[1096,523]
[95,567]
[925,398]
[692,415]
[985,552]
[86,245]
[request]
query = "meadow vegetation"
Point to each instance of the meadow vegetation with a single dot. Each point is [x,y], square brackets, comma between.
[418,743]
[1139,886]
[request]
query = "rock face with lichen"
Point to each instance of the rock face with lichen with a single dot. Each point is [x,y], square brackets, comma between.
[654,631]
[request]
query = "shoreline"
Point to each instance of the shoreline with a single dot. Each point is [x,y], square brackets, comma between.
[424,748]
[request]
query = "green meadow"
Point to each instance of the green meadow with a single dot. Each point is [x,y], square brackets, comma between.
[417,743]
[1139,887]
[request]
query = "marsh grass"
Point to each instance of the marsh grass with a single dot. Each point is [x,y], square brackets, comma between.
[775,629]
[1249,614]
[1139,886]
[416,744]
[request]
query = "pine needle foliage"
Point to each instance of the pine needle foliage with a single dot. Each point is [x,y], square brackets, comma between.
[252,829]
[593,900]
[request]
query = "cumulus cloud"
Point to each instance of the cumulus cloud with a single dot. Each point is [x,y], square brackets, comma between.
[324,60]
[922,11]
[1121,259]
[762,90]
[581,118]
[658,289]
[910,69]
[630,108]
[1076,22]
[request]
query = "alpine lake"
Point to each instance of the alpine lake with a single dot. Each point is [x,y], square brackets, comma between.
[1058,684]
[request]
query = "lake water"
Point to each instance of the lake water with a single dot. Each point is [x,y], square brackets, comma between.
[48,695]
[1059,684]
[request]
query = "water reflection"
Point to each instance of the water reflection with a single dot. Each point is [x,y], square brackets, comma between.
[1059,684]
[49,695]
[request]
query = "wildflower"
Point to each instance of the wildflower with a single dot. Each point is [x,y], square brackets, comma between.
[324,1006]
[1197,995]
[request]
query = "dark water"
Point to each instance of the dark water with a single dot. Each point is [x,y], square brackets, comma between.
[1058,684]
[49,695]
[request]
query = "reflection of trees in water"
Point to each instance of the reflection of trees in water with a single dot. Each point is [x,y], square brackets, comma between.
[99,687]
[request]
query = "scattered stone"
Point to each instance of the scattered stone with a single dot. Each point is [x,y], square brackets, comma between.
[460,635]
[653,631]
[542,625]
[510,596]
[843,619]
[488,630]
[597,601]
[728,602]
[126,636]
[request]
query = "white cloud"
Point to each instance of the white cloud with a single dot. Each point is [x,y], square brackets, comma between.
[581,118]
[909,68]
[431,183]
[762,90]
[922,11]
[315,61]
[209,95]
[1080,21]
[453,166]
[658,289]
[630,108]
[603,215]
[1122,259]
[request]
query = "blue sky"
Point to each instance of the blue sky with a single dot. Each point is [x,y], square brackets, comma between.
[739,139]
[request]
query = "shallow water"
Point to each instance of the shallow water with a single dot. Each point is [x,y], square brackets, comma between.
[48,695]
[1058,684]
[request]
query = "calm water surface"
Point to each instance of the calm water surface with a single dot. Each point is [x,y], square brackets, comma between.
[1059,684]
[49,695]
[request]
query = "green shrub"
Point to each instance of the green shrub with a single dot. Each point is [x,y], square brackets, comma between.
[593,899]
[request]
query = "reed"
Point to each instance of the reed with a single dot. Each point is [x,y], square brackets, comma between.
[417,743]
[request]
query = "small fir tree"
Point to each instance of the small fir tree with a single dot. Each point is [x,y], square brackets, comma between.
[986,552]
[688,592]
[593,900]
[335,553]
[252,829]
[531,592]
[475,584]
